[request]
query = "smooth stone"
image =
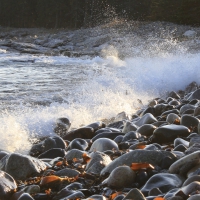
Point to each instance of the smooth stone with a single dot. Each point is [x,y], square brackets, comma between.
[118,125]
[171,193]
[138,156]
[150,110]
[197,111]
[154,192]
[3,153]
[74,186]
[96,197]
[191,188]
[191,179]
[74,153]
[103,144]
[191,87]
[164,181]
[187,107]
[103,130]
[194,140]
[180,147]
[194,102]
[21,167]
[119,197]
[160,123]
[119,139]
[194,197]
[169,99]
[151,147]
[146,129]
[195,95]
[48,143]
[109,135]
[199,128]
[168,133]
[98,161]
[178,154]
[97,125]
[67,172]
[175,111]
[68,194]
[195,147]
[174,95]
[131,135]
[135,194]
[178,141]
[148,118]
[84,133]
[174,103]
[78,143]
[172,117]
[62,126]
[161,108]
[7,185]
[129,126]
[120,177]
[188,112]
[53,153]
[183,165]
[25,196]
[152,103]
[194,171]
[189,121]
[121,116]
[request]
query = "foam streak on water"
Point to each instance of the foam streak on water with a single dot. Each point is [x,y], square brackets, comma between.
[36,90]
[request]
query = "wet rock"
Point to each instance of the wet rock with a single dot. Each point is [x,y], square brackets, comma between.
[174,103]
[62,126]
[154,192]
[160,108]
[96,126]
[25,196]
[191,179]
[191,87]
[194,140]
[189,121]
[67,172]
[168,133]
[152,103]
[118,139]
[21,167]
[109,135]
[180,147]
[187,107]
[178,141]
[48,143]
[121,116]
[195,95]
[103,130]
[191,188]
[135,194]
[120,177]
[96,197]
[3,153]
[103,144]
[150,110]
[84,133]
[194,197]
[53,153]
[164,181]
[183,165]
[146,119]
[174,95]
[78,143]
[98,161]
[74,186]
[160,123]
[7,185]
[129,126]
[68,194]
[118,125]
[74,153]
[173,118]
[197,111]
[138,156]
[131,135]
[175,111]
[195,170]
[146,129]
[195,147]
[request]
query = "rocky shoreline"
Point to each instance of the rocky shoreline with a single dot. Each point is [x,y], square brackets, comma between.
[152,155]
[97,41]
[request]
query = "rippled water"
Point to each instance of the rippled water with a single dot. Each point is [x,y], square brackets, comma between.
[36,90]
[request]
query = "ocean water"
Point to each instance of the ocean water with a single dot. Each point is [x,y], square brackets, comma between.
[36,90]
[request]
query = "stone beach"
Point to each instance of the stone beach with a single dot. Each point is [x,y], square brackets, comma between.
[152,155]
